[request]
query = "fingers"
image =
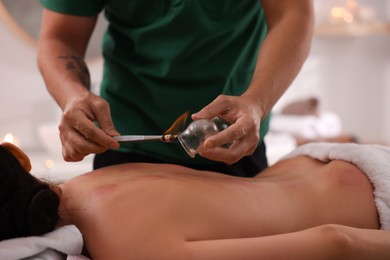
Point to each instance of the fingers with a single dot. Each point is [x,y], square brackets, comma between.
[78,138]
[234,132]
[78,148]
[244,139]
[219,107]
[103,117]
[233,154]
[243,132]
[78,133]
[245,127]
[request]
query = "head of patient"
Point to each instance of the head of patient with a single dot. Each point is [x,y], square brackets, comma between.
[27,205]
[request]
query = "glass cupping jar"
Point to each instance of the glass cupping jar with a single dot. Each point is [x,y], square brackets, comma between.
[193,137]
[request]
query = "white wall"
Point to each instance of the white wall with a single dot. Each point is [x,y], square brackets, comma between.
[352,76]
[24,101]
[386,101]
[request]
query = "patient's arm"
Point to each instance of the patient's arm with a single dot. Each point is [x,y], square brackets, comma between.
[323,242]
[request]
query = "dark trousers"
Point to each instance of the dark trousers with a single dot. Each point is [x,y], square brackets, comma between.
[248,166]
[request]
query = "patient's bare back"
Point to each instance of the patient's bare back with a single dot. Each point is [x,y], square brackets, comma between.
[147,203]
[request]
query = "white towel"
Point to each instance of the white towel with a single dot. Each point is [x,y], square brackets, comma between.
[303,126]
[326,125]
[53,245]
[373,160]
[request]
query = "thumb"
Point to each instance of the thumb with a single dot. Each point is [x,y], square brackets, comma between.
[108,127]
[103,117]
[215,108]
[105,123]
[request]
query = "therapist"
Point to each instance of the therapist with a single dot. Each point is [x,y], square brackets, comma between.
[226,58]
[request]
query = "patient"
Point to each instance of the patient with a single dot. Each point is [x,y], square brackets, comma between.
[298,208]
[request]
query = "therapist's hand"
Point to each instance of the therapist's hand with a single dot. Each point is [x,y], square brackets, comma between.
[244,114]
[78,132]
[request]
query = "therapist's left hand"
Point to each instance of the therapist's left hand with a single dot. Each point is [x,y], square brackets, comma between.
[244,115]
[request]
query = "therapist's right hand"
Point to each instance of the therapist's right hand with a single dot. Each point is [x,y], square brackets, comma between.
[79,134]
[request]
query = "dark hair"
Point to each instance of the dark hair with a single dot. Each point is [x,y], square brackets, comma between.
[28,207]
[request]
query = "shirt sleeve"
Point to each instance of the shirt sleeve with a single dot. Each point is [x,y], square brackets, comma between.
[75,7]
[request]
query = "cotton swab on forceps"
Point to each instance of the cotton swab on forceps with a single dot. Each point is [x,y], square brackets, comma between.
[166,138]
[170,135]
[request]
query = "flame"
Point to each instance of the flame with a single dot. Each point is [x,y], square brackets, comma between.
[179,124]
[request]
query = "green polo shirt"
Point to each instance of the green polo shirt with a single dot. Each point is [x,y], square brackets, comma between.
[165,57]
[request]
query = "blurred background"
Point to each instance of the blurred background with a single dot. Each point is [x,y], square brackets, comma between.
[342,93]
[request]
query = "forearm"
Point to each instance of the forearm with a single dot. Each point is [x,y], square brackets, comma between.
[281,56]
[62,46]
[366,243]
[306,244]
[321,242]
[64,71]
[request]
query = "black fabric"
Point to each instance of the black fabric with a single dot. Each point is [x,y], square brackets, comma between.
[248,166]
